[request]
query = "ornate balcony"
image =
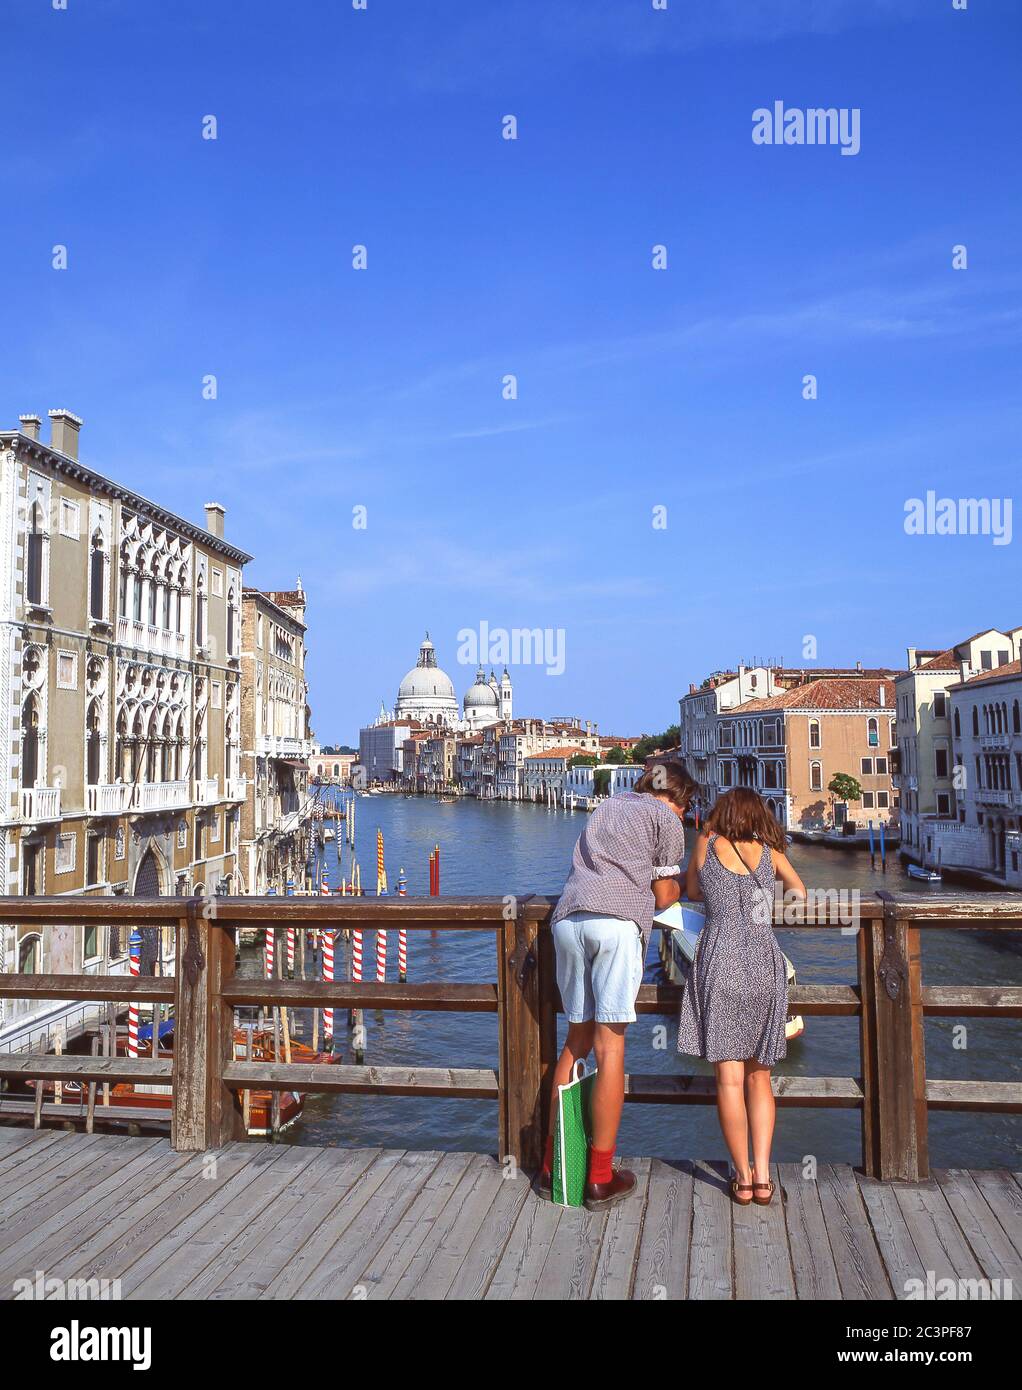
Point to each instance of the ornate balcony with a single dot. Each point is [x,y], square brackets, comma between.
[147,638]
[40,803]
[236,788]
[160,796]
[283,746]
[995,741]
[108,798]
[207,791]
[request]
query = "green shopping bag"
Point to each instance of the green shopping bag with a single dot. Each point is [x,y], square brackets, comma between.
[573,1137]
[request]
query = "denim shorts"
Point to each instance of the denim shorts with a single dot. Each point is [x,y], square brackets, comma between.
[599,967]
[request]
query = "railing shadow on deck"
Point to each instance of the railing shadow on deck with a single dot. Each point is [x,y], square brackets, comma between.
[889,999]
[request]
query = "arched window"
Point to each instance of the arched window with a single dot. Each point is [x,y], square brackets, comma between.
[93,745]
[230,622]
[958,724]
[814,733]
[30,954]
[816,777]
[30,741]
[975,721]
[97,579]
[34,557]
[872,733]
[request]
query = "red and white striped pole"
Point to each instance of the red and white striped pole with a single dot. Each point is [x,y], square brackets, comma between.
[290,953]
[268,952]
[134,945]
[328,975]
[402,935]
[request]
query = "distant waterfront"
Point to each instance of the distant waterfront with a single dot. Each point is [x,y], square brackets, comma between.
[494,847]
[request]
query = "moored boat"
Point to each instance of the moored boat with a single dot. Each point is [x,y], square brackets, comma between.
[923,874]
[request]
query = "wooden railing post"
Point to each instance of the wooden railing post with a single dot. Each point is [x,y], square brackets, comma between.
[894,1129]
[204,1113]
[521,1054]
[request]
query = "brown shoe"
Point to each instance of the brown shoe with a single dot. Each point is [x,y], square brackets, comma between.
[600,1195]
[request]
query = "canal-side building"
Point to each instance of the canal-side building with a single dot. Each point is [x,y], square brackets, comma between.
[276,739]
[120,668]
[788,748]
[699,712]
[381,750]
[984,834]
[925,739]
[331,766]
[544,775]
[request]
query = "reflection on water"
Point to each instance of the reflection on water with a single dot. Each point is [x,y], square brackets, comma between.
[498,848]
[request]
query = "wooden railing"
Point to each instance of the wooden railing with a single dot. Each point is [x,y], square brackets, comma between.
[888,998]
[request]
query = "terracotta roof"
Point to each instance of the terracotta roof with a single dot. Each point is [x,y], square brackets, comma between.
[1010,668]
[831,693]
[942,661]
[556,753]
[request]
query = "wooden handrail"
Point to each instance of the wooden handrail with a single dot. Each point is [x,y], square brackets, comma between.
[888,998]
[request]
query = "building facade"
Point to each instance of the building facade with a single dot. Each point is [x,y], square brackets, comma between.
[789,747]
[277,740]
[120,667]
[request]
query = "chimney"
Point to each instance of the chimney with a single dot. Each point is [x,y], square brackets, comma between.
[30,425]
[64,432]
[911,654]
[215,519]
[858,665]
[883,696]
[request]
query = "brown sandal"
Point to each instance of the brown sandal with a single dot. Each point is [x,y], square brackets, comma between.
[768,1187]
[737,1187]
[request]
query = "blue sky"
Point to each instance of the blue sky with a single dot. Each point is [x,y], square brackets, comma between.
[636,388]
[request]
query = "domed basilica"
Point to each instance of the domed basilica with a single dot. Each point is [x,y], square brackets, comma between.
[427,695]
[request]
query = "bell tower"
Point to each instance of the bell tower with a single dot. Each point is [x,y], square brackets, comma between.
[505,695]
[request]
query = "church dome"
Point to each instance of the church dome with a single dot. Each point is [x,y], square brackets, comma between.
[427,693]
[481,695]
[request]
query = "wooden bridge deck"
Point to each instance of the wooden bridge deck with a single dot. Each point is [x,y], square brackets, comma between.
[281,1221]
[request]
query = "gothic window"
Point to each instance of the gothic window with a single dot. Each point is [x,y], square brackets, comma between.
[35,555]
[30,741]
[93,746]
[97,579]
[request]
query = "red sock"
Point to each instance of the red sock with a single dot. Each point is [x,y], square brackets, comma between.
[600,1161]
[548,1154]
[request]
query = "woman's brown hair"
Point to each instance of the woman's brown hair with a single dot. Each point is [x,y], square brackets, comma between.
[741,815]
[669,780]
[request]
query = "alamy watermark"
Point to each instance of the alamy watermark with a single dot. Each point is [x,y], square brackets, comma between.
[517,646]
[816,125]
[959,516]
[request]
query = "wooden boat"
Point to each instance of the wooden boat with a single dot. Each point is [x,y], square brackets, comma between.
[923,874]
[152,1103]
[680,926]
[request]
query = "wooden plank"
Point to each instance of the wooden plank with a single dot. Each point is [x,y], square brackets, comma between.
[146,989]
[995,1253]
[380,1276]
[985,1001]
[267,1248]
[53,1244]
[211,1234]
[1004,1097]
[819,1092]
[522,1123]
[937,1237]
[520,1266]
[205,1113]
[485,1188]
[303,1262]
[572,1254]
[44,1066]
[892,1235]
[711,1274]
[860,1270]
[34,1174]
[899,1113]
[815,1000]
[661,1266]
[622,1232]
[312,994]
[38,1140]
[340,1078]
[336,1274]
[184,1189]
[812,1260]
[489,1241]
[762,1260]
[1004,1198]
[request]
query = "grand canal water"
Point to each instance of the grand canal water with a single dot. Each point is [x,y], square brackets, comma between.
[501,847]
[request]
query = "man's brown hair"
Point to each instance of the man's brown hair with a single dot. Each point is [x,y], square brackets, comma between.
[670,780]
